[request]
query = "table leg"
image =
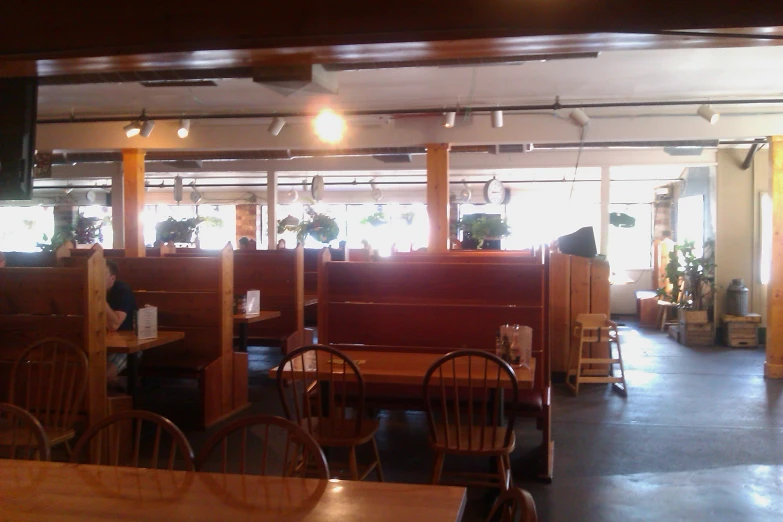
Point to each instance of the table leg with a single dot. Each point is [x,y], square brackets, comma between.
[243,337]
[133,375]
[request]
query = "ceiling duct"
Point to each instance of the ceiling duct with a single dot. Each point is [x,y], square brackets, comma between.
[288,79]
[185,164]
[394,158]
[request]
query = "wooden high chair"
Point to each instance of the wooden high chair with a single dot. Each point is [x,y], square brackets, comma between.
[595,328]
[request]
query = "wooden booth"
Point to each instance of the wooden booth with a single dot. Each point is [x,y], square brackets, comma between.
[194,295]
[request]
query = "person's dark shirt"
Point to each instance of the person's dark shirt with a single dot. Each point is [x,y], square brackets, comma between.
[120,298]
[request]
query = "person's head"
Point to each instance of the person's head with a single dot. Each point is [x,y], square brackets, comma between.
[281,244]
[2,260]
[112,272]
[252,245]
[244,243]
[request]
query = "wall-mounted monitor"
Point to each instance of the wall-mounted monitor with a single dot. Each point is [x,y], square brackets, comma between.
[18,113]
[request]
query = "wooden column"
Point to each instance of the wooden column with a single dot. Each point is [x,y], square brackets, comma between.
[271,209]
[118,208]
[438,196]
[133,199]
[773,366]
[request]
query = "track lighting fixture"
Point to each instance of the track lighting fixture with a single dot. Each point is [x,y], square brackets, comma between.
[497,119]
[709,114]
[132,129]
[146,128]
[449,118]
[579,117]
[184,128]
[276,126]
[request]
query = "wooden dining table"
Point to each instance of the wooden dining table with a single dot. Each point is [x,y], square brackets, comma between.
[245,319]
[51,491]
[128,343]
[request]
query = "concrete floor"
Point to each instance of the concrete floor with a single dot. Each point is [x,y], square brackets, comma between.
[698,438]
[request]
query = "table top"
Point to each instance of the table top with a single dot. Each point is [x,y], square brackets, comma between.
[263,315]
[127,342]
[54,491]
[399,367]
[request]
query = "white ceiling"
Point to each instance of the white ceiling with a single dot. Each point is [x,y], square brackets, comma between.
[613,76]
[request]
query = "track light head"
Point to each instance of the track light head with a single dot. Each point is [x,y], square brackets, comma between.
[276,126]
[132,129]
[579,117]
[497,119]
[449,119]
[184,128]
[146,128]
[709,114]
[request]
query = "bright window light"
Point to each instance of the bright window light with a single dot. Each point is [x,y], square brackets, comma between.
[766,239]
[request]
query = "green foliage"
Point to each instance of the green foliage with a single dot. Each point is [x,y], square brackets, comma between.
[177,231]
[694,276]
[482,226]
[60,236]
[377,219]
[88,230]
[408,217]
[287,223]
[320,227]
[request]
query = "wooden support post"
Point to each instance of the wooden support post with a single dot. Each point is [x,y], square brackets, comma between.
[118,207]
[438,196]
[773,366]
[271,209]
[133,196]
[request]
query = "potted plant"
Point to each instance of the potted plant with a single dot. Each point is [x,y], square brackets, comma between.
[377,219]
[177,231]
[320,227]
[408,217]
[88,230]
[485,229]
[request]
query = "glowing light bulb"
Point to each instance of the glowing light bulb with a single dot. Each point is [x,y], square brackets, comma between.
[329,126]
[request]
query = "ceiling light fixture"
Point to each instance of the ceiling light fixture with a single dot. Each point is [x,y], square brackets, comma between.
[579,117]
[709,114]
[497,119]
[146,128]
[184,128]
[276,126]
[329,126]
[132,129]
[449,118]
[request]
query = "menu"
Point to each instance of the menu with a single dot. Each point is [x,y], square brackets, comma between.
[147,322]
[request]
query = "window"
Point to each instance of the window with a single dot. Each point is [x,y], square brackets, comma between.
[104,213]
[690,221]
[631,248]
[24,227]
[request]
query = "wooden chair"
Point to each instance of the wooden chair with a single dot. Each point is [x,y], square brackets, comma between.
[299,452]
[21,435]
[589,329]
[49,380]
[124,432]
[327,400]
[514,505]
[465,418]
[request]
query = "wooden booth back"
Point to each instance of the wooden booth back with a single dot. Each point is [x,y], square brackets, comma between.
[65,299]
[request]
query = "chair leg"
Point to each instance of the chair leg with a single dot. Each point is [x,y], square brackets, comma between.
[377,460]
[578,367]
[352,463]
[437,469]
[502,473]
[68,448]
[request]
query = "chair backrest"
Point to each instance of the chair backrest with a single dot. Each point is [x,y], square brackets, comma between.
[49,380]
[514,505]
[260,443]
[120,442]
[462,392]
[325,385]
[591,320]
[21,435]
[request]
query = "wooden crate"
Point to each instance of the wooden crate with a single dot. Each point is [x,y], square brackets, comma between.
[741,335]
[696,334]
[692,317]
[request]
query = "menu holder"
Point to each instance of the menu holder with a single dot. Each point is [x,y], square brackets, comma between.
[147,322]
[253,302]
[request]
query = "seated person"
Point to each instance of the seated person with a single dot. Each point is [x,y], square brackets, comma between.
[244,243]
[120,307]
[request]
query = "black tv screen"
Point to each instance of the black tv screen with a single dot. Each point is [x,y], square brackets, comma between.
[18,113]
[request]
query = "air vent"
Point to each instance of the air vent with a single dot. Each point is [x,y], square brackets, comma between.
[394,158]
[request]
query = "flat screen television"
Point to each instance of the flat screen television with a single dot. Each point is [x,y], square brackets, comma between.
[18,114]
[580,243]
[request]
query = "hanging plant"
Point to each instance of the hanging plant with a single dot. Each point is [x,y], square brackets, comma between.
[320,227]
[286,223]
[377,219]
[61,235]
[621,220]
[177,231]
[88,230]
[482,226]
[408,217]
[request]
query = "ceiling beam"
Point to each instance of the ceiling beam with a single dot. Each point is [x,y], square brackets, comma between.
[187,34]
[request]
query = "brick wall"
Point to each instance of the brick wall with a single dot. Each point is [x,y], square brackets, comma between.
[247,222]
